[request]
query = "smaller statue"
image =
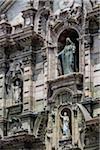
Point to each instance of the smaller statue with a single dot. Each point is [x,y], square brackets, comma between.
[65,128]
[66,57]
[17,91]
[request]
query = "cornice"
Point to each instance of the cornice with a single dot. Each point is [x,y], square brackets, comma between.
[22,36]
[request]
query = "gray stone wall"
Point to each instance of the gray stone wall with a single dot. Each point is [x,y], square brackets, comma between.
[33,40]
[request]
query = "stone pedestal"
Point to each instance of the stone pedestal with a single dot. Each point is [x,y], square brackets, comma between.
[65,144]
[71,83]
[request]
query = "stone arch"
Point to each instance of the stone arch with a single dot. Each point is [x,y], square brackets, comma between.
[71,27]
[68,106]
[37,18]
[61,92]
[68,109]
[74,37]
[60,27]
[69,31]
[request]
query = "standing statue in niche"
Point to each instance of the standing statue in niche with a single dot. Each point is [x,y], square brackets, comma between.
[65,127]
[66,57]
[14,85]
[13,71]
[17,91]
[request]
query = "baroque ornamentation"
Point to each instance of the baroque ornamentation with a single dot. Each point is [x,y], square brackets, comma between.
[15,125]
[65,128]
[65,117]
[14,83]
[70,11]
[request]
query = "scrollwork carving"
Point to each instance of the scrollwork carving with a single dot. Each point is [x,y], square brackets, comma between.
[15,125]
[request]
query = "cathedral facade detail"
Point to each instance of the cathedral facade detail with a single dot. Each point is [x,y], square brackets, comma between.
[49,75]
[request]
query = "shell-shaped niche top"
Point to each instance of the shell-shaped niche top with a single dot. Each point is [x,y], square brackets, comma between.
[66,5]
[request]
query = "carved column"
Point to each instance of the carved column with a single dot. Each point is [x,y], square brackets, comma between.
[28,96]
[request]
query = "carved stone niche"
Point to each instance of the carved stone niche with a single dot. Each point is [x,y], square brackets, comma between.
[43,21]
[65,127]
[71,83]
[14,82]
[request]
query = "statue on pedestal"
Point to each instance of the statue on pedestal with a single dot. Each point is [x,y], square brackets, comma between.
[17,91]
[66,57]
[65,125]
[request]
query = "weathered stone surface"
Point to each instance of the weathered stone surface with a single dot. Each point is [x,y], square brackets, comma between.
[32,34]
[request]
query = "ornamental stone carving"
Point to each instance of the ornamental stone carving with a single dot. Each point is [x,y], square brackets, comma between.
[15,125]
[14,83]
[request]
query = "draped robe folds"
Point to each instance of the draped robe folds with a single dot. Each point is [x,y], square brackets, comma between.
[66,130]
[67,58]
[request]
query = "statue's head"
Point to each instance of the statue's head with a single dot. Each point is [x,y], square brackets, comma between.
[17,83]
[65,113]
[68,41]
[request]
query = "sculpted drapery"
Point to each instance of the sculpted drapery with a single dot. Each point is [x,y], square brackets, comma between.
[66,57]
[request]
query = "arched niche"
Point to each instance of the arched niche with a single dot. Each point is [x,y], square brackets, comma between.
[14,82]
[17,89]
[41,20]
[62,96]
[72,34]
[65,121]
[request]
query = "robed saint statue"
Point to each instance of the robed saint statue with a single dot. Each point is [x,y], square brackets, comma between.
[65,125]
[66,57]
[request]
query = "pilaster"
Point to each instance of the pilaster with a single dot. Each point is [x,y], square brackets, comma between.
[52,63]
[28,95]
[88,72]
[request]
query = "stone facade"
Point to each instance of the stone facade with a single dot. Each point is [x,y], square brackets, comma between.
[41,107]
